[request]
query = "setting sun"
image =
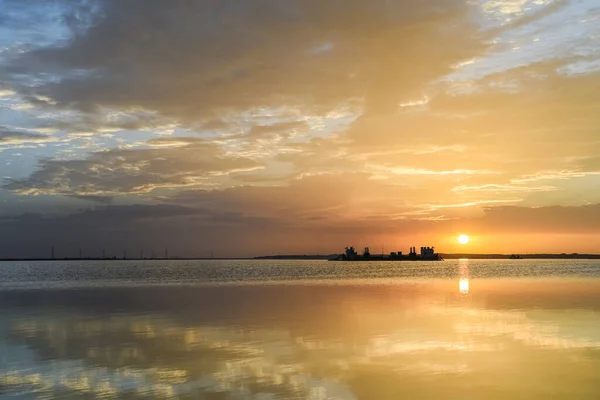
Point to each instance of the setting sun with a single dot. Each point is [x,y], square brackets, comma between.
[463,239]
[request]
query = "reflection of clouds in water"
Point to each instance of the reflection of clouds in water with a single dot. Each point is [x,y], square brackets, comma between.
[144,356]
[551,329]
[394,344]
[519,326]
[411,334]
[267,360]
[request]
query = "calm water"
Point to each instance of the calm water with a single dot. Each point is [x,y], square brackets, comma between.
[510,329]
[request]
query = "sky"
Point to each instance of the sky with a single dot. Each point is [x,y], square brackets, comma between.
[243,128]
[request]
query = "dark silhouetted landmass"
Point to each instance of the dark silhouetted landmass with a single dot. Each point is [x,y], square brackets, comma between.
[451,256]
[125,259]
[522,256]
[447,256]
[296,257]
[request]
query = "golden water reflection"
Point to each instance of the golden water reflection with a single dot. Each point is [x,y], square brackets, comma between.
[463,286]
[533,339]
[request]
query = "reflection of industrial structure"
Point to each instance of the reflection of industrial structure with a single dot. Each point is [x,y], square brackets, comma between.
[426,254]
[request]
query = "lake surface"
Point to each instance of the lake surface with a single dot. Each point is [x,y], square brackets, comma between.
[459,329]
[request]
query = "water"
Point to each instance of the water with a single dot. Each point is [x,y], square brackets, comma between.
[64,274]
[478,329]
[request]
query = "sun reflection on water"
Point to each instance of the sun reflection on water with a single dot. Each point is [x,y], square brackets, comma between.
[463,286]
[463,274]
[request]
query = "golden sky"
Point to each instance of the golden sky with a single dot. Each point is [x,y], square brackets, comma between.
[253,127]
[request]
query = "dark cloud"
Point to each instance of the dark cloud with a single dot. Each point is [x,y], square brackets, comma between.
[190,163]
[108,214]
[134,213]
[12,136]
[132,120]
[301,198]
[215,124]
[186,231]
[96,199]
[232,229]
[284,129]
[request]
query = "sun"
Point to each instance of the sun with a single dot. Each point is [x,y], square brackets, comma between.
[463,239]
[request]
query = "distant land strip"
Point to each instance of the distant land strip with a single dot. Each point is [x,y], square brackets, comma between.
[125,259]
[452,256]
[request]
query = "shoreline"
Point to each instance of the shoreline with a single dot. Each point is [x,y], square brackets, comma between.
[452,256]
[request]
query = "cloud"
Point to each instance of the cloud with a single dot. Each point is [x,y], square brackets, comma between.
[6,93]
[550,219]
[337,202]
[492,187]
[96,199]
[121,213]
[16,137]
[184,163]
[106,121]
[284,128]
[554,175]
[249,221]
[198,63]
[196,59]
